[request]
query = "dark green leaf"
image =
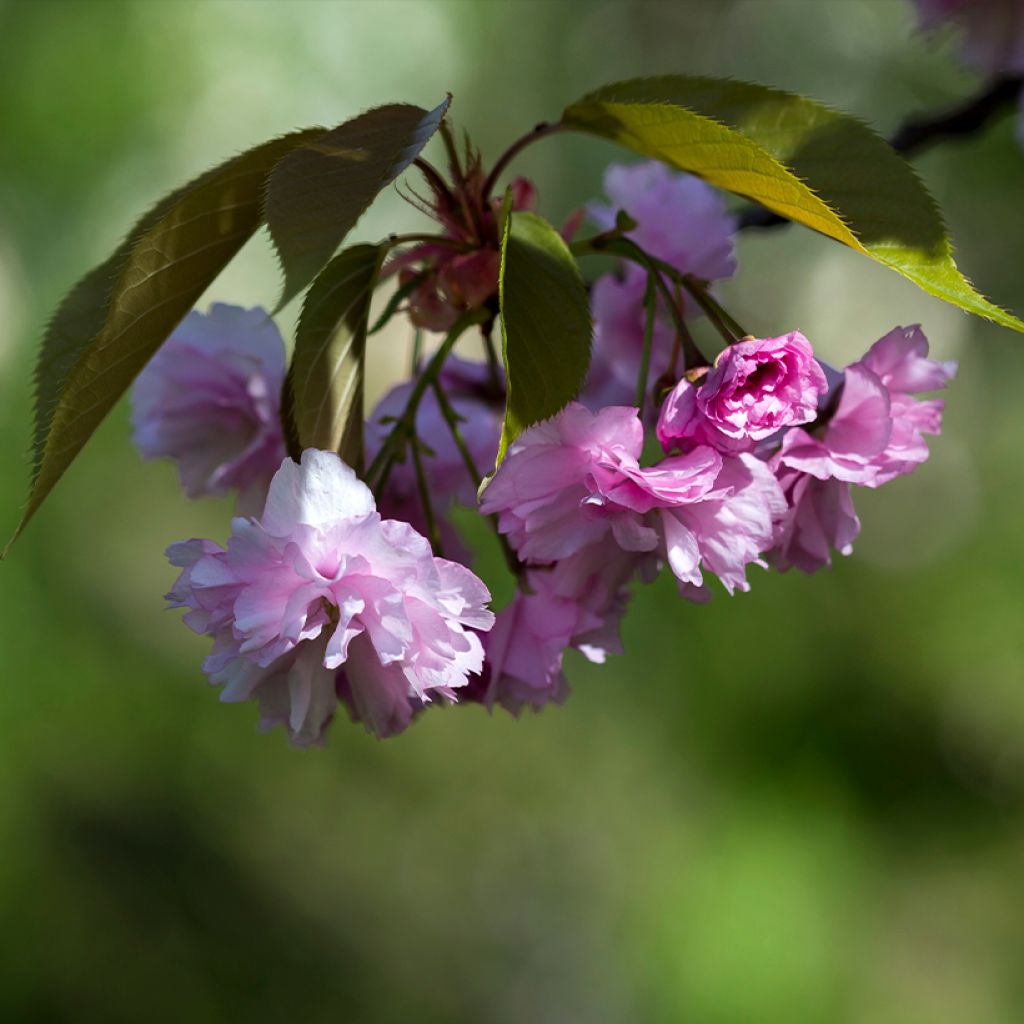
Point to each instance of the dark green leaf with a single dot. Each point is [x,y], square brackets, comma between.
[115,319]
[816,166]
[545,323]
[330,343]
[317,193]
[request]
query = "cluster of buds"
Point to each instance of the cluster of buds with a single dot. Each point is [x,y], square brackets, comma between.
[330,592]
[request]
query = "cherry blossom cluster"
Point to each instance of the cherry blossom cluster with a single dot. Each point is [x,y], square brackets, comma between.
[329,593]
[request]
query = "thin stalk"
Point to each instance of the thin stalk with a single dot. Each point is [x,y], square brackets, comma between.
[650,301]
[730,321]
[405,426]
[629,250]
[539,131]
[493,362]
[394,241]
[452,418]
[397,296]
[433,533]
[417,351]
[712,311]
[434,178]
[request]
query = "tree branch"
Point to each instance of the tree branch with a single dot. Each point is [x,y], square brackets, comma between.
[917,134]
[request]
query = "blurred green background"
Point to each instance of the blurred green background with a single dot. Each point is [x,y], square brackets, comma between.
[799,805]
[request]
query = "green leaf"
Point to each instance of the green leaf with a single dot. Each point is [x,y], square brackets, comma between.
[809,163]
[318,192]
[545,323]
[118,315]
[327,368]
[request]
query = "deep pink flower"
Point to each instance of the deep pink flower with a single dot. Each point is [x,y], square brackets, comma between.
[574,481]
[821,518]
[210,400]
[755,388]
[320,584]
[728,528]
[875,433]
[877,430]
[554,491]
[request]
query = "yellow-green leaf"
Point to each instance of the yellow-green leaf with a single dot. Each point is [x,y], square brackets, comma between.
[809,163]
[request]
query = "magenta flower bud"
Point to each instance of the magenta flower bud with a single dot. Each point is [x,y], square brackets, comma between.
[210,400]
[756,388]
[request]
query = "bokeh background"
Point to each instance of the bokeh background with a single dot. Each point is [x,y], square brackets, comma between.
[804,804]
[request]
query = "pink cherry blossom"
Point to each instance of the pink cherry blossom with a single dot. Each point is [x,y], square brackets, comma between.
[210,400]
[821,518]
[728,528]
[574,481]
[679,218]
[877,430]
[874,434]
[992,30]
[320,598]
[578,604]
[553,492]
[755,388]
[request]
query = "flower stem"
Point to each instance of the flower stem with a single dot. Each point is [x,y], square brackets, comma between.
[405,426]
[452,418]
[417,351]
[393,241]
[725,324]
[539,131]
[433,533]
[650,302]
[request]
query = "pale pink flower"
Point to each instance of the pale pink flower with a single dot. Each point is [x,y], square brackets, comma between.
[992,30]
[679,218]
[321,585]
[210,400]
[756,388]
